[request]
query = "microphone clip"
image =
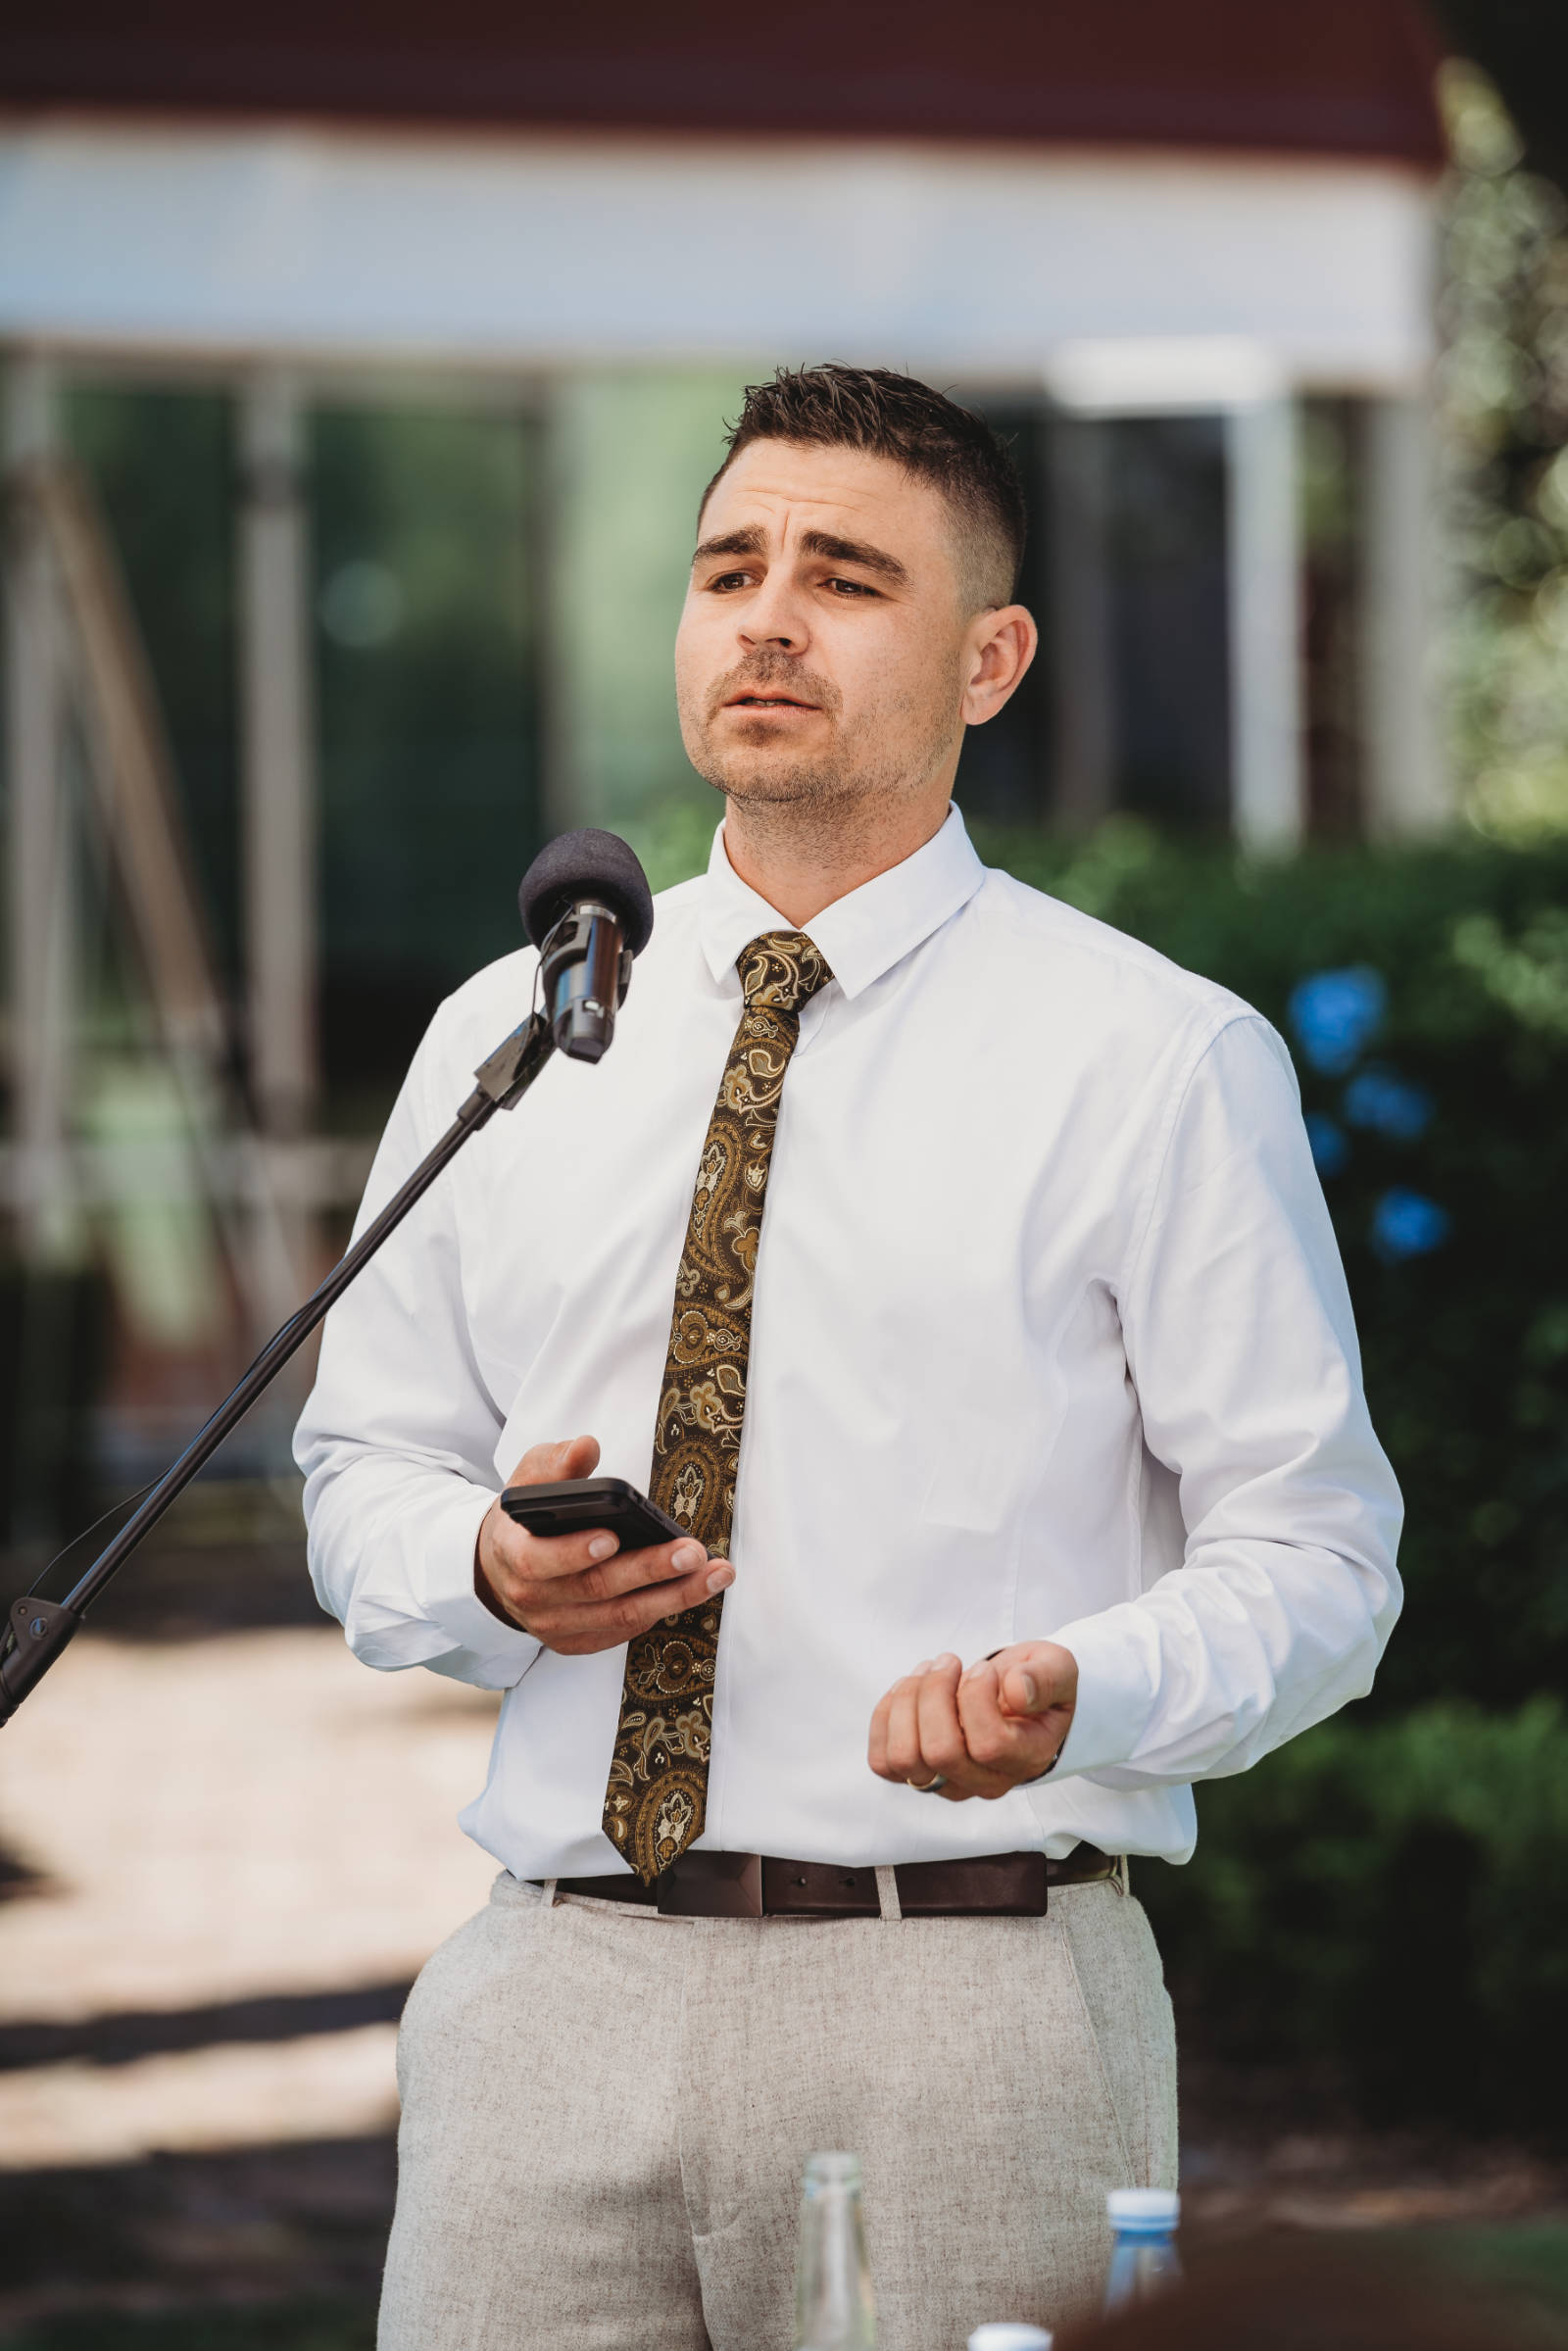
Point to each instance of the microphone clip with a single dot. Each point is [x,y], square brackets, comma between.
[585,971]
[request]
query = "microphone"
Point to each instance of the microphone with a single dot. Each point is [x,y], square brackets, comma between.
[586,906]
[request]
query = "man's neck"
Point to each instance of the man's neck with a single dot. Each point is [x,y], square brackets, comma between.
[800,865]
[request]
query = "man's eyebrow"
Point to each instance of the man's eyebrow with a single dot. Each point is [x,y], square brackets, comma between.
[855,551]
[752,541]
[733,542]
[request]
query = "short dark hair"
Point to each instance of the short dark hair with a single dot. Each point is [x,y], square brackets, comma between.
[930,436]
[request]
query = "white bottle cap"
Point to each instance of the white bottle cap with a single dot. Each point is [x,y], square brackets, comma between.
[1150,2208]
[1009,2334]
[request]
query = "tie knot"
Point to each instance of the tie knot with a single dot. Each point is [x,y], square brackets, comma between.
[782,970]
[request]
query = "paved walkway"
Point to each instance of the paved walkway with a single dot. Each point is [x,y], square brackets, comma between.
[237,1831]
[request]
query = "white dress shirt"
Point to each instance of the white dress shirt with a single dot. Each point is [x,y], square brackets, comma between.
[1051,1340]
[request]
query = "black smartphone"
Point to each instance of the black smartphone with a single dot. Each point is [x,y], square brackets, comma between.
[582,1505]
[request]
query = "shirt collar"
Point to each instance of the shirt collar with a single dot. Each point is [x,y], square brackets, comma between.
[862,935]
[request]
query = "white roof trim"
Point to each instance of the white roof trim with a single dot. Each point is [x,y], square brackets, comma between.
[542,251]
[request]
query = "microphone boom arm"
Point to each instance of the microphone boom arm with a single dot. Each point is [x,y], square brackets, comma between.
[39,1629]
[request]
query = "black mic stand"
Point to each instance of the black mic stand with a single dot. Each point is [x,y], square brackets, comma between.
[39,1629]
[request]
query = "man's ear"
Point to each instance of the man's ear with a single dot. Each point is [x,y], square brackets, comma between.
[1003,644]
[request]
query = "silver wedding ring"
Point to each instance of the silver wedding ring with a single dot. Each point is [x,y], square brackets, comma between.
[928,1788]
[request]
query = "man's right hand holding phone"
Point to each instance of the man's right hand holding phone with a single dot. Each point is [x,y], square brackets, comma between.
[577,1594]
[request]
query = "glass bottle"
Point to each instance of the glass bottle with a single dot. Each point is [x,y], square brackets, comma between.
[833,2307]
[1143,2252]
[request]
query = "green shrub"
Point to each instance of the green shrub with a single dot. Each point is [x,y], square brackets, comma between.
[1394,1896]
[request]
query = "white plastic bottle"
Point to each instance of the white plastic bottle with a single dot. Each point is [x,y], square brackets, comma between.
[1143,2252]
[833,2306]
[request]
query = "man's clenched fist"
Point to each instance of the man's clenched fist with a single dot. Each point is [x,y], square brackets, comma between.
[576,1594]
[981,1732]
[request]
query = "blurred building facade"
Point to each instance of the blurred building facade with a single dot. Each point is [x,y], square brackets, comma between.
[447,316]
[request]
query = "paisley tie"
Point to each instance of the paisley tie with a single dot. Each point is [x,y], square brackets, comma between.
[658,1794]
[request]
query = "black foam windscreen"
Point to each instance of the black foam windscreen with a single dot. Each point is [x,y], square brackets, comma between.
[586,864]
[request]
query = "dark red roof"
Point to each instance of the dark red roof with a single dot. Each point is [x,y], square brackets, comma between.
[1330,77]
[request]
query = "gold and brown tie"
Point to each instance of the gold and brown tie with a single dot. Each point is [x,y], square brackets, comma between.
[658,1794]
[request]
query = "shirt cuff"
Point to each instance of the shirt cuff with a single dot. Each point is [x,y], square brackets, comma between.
[503,1651]
[1116,1690]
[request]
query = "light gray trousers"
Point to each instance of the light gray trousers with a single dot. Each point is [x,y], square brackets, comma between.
[606,2114]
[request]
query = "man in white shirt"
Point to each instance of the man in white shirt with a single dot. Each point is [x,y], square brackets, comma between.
[1022,1442]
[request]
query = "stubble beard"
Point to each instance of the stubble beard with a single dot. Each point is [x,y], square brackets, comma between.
[839,791]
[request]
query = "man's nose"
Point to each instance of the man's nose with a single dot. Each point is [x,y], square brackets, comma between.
[774,620]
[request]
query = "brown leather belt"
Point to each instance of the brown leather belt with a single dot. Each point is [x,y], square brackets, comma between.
[754,1886]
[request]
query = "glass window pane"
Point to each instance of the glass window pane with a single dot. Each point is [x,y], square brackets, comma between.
[632,455]
[425,547]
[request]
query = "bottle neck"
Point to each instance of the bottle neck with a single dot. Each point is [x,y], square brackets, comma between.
[833,2309]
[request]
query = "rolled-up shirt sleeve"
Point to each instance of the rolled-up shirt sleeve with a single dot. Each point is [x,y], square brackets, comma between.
[396,1440]
[1242,1348]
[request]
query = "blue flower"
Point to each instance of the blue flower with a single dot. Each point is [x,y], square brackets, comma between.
[1405,1224]
[1335,1014]
[1329,1150]
[1392,1106]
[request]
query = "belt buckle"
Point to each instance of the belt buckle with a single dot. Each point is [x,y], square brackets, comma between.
[711,1886]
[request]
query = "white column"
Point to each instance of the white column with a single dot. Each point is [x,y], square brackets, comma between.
[1405,789]
[279,756]
[39,847]
[1267,800]
[565,798]
[1078,623]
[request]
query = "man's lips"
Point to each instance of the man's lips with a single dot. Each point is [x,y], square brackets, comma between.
[768,701]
